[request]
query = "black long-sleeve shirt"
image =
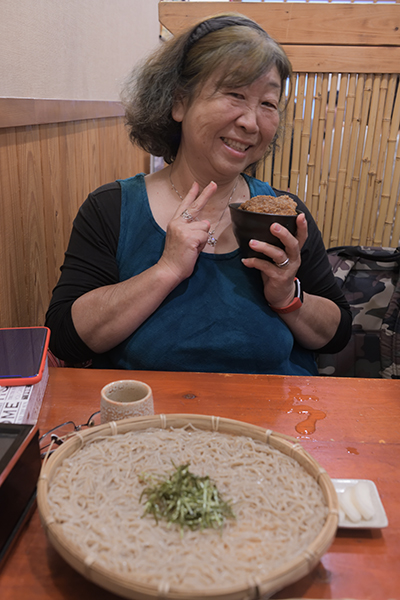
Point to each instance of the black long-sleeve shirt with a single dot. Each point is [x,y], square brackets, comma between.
[90,262]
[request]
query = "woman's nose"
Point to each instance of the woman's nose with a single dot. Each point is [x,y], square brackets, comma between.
[248,119]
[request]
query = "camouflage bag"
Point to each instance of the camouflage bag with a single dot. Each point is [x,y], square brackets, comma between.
[369,279]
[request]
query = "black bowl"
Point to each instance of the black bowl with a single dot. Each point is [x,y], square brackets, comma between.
[249,225]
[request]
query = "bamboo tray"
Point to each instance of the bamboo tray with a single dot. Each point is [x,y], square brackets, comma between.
[124,585]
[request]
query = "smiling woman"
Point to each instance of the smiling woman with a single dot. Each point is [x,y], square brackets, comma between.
[227,129]
[165,286]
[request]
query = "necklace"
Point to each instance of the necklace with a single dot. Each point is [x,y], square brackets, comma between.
[212,240]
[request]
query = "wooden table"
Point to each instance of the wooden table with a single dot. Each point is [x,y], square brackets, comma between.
[351,426]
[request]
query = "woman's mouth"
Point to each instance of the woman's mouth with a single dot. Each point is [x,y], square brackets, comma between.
[235,145]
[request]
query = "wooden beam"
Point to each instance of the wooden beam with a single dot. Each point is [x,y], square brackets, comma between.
[16,112]
[299,22]
[343,59]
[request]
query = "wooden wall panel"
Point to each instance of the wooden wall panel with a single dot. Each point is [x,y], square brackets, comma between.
[316,23]
[47,171]
[332,37]
[32,234]
[51,166]
[11,249]
[17,112]
[352,59]
[82,166]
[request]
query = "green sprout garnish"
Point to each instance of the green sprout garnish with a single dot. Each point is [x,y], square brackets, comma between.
[184,499]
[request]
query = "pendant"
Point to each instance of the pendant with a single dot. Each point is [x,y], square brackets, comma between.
[212,241]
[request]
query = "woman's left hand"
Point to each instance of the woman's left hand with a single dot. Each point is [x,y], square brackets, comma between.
[314,324]
[279,275]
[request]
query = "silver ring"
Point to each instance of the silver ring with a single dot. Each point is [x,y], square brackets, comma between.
[187,216]
[282,264]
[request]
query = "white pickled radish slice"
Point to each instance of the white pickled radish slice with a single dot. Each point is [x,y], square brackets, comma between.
[361,497]
[347,505]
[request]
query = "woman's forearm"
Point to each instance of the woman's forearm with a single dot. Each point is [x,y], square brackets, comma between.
[106,316]
[315,323]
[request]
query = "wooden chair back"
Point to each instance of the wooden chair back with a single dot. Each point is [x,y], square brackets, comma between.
[340,150]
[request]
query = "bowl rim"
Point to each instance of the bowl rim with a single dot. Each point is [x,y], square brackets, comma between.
[235,206]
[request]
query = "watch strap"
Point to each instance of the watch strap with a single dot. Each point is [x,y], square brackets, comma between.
[295,304]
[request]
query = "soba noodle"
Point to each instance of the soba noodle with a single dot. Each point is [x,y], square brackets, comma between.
[95,495]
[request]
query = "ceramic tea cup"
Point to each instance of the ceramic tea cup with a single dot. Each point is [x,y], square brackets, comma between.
[125,398]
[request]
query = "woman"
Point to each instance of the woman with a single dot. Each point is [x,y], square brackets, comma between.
[153,278]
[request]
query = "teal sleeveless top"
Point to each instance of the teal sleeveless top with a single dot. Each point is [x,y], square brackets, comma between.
[217,320]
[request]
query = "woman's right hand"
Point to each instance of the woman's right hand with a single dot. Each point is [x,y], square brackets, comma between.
[107,315]
[186,233]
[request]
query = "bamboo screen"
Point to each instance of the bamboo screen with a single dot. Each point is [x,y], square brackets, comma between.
[340,152]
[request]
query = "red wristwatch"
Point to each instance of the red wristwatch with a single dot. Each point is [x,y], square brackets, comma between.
[295,304]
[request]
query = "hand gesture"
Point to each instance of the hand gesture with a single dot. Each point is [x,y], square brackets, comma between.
[186,233]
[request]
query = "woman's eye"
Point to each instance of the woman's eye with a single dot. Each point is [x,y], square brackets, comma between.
[236,95]
[269,104]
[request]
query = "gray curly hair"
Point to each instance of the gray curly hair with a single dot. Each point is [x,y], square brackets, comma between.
[232,45]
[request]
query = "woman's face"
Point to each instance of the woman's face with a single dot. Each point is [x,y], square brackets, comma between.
[225,130]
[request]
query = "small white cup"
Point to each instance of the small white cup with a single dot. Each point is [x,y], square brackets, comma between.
[124,399]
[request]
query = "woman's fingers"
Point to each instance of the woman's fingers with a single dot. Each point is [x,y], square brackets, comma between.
[292,244]
[302,229]
[193,203]
[279,258]
[188,199]
[186,233]
[278,275]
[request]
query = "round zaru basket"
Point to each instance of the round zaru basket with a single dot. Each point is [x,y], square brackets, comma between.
[123,584]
